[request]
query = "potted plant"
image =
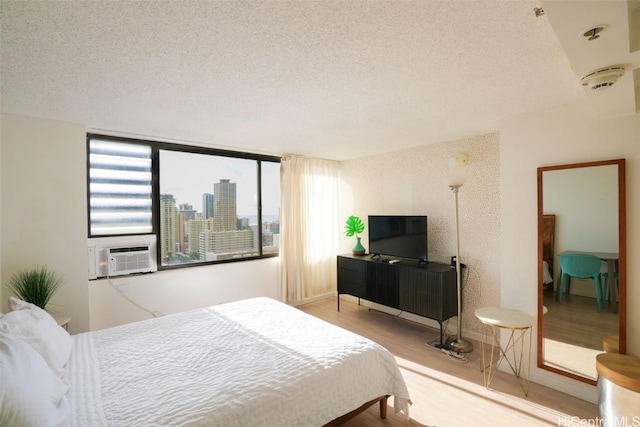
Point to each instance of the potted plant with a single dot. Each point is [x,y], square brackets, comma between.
[354,227]
[36,285]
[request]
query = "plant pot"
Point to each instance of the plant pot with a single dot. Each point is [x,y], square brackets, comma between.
[358,249]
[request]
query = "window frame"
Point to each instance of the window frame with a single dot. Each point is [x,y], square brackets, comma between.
[156,147]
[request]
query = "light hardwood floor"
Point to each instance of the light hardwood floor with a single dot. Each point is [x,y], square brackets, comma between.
[574,331]
[446,392]
[577,321]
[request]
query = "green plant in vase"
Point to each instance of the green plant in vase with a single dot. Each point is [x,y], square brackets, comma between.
[354,227]
[36,285]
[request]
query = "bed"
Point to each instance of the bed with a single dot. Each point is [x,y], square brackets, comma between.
[256,362]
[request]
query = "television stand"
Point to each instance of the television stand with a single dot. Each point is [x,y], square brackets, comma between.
[425,289]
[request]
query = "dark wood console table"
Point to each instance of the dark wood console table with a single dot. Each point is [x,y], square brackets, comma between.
[427,289]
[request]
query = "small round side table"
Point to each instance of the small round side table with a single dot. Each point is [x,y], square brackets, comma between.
[518,323]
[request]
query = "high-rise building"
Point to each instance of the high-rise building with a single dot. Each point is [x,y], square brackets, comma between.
[225,210]
[195,227]
[215,246]
[207,206]
[272,226]
[181,237]
[187,211]
[168,232]
[243,223]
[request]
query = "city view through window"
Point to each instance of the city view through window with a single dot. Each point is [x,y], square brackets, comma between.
[209,208]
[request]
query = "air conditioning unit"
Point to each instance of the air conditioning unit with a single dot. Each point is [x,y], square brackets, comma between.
[128,259]
[120,255]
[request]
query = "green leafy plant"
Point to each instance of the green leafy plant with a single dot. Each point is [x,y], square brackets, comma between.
[36,285]
[354,226]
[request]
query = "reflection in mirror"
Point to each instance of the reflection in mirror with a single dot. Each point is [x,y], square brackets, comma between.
[581,265]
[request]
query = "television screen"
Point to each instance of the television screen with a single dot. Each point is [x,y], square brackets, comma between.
[398,236]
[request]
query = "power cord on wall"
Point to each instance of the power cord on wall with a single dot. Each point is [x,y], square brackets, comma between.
[154,313]
[465,281]
[457,356]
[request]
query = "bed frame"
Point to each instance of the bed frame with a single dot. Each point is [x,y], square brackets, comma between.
[346,417]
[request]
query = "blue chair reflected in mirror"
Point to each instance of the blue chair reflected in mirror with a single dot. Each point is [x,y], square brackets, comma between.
[581,266]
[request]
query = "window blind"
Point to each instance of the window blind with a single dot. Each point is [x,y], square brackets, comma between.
[119,188]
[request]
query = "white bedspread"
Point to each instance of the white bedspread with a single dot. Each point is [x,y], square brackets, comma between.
[251,363]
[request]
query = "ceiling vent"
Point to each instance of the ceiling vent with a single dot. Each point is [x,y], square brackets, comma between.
[592,33]
[603,78]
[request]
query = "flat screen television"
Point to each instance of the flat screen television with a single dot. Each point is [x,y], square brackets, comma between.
[399,236]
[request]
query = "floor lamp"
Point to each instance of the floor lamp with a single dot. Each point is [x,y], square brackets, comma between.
[459,345]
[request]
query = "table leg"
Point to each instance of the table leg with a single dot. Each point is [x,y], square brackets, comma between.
[488,375]
[483,366]
[516,337]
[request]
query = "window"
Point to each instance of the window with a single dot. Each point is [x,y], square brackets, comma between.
[204,205]
[119,188]
[270,207]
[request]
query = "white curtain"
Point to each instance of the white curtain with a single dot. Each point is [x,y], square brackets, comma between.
[309,229]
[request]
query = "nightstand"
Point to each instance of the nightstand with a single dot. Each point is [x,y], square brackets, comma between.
[63,320]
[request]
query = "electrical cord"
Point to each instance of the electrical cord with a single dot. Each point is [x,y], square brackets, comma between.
[458,357]
[465,281]
[453,355]
[434,343]
[479,287]
[154,313]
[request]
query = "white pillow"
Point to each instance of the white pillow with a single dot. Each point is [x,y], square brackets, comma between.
[35,326]
[31,394]
[18,304]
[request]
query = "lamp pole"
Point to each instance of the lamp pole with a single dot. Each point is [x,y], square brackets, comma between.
[460,345]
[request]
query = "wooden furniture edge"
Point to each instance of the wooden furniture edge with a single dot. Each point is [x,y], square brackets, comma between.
[346,417]
[621,369]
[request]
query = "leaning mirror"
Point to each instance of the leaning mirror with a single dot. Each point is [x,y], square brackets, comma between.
[581,266]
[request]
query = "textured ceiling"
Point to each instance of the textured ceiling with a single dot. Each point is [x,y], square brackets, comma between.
[330,79]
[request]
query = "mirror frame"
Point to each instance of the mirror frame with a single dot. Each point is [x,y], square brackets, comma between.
[622,262]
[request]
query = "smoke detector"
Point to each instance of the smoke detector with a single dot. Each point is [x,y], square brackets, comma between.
[603,78]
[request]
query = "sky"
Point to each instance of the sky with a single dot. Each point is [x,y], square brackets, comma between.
[188,176]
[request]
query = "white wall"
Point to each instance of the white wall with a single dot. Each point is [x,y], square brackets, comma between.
[416,182]
[585,203]
[44,210]
[44,221]
[565,134]
[173,291]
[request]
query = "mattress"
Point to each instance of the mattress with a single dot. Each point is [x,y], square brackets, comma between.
[256,362]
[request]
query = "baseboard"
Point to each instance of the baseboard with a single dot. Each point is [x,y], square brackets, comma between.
[312,299]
